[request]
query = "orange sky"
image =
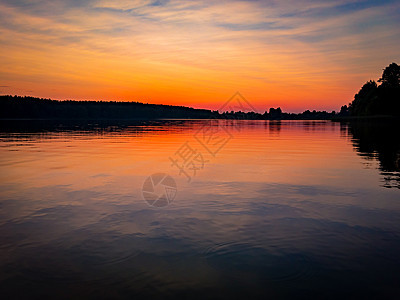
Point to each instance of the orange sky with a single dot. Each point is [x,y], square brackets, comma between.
[294,54]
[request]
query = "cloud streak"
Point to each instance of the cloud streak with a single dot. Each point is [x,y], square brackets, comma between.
[297,54]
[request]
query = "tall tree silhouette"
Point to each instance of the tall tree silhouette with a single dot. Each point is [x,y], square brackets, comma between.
[391,76]
[365,99]
[379,100]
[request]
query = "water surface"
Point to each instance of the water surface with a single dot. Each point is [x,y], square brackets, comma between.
[279,209]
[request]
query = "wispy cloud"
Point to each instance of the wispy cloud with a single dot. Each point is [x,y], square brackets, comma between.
[294,53]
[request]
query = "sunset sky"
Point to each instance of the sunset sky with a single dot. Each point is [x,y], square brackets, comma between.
[294,54]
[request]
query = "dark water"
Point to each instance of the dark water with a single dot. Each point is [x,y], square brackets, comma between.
[273,210]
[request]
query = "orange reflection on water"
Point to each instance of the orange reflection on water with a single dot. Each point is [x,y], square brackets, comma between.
[299,152]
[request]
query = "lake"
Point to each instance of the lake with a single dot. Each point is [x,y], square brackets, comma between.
[199,209]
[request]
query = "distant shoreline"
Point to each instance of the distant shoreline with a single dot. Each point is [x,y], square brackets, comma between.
[30,108]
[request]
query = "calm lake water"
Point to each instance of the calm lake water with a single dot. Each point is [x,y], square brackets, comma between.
[268,209]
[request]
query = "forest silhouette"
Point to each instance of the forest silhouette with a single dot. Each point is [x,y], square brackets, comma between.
[17,107]
[371,100]
[374,99]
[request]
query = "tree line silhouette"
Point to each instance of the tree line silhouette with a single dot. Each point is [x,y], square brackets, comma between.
[17,107]
[371,100]
[374,99]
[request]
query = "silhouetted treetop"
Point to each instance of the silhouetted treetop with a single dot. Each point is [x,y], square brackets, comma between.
[391,76]
[379,100]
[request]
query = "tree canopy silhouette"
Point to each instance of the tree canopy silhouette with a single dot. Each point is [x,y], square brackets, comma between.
[391,76]
[379,100]
[16,107]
